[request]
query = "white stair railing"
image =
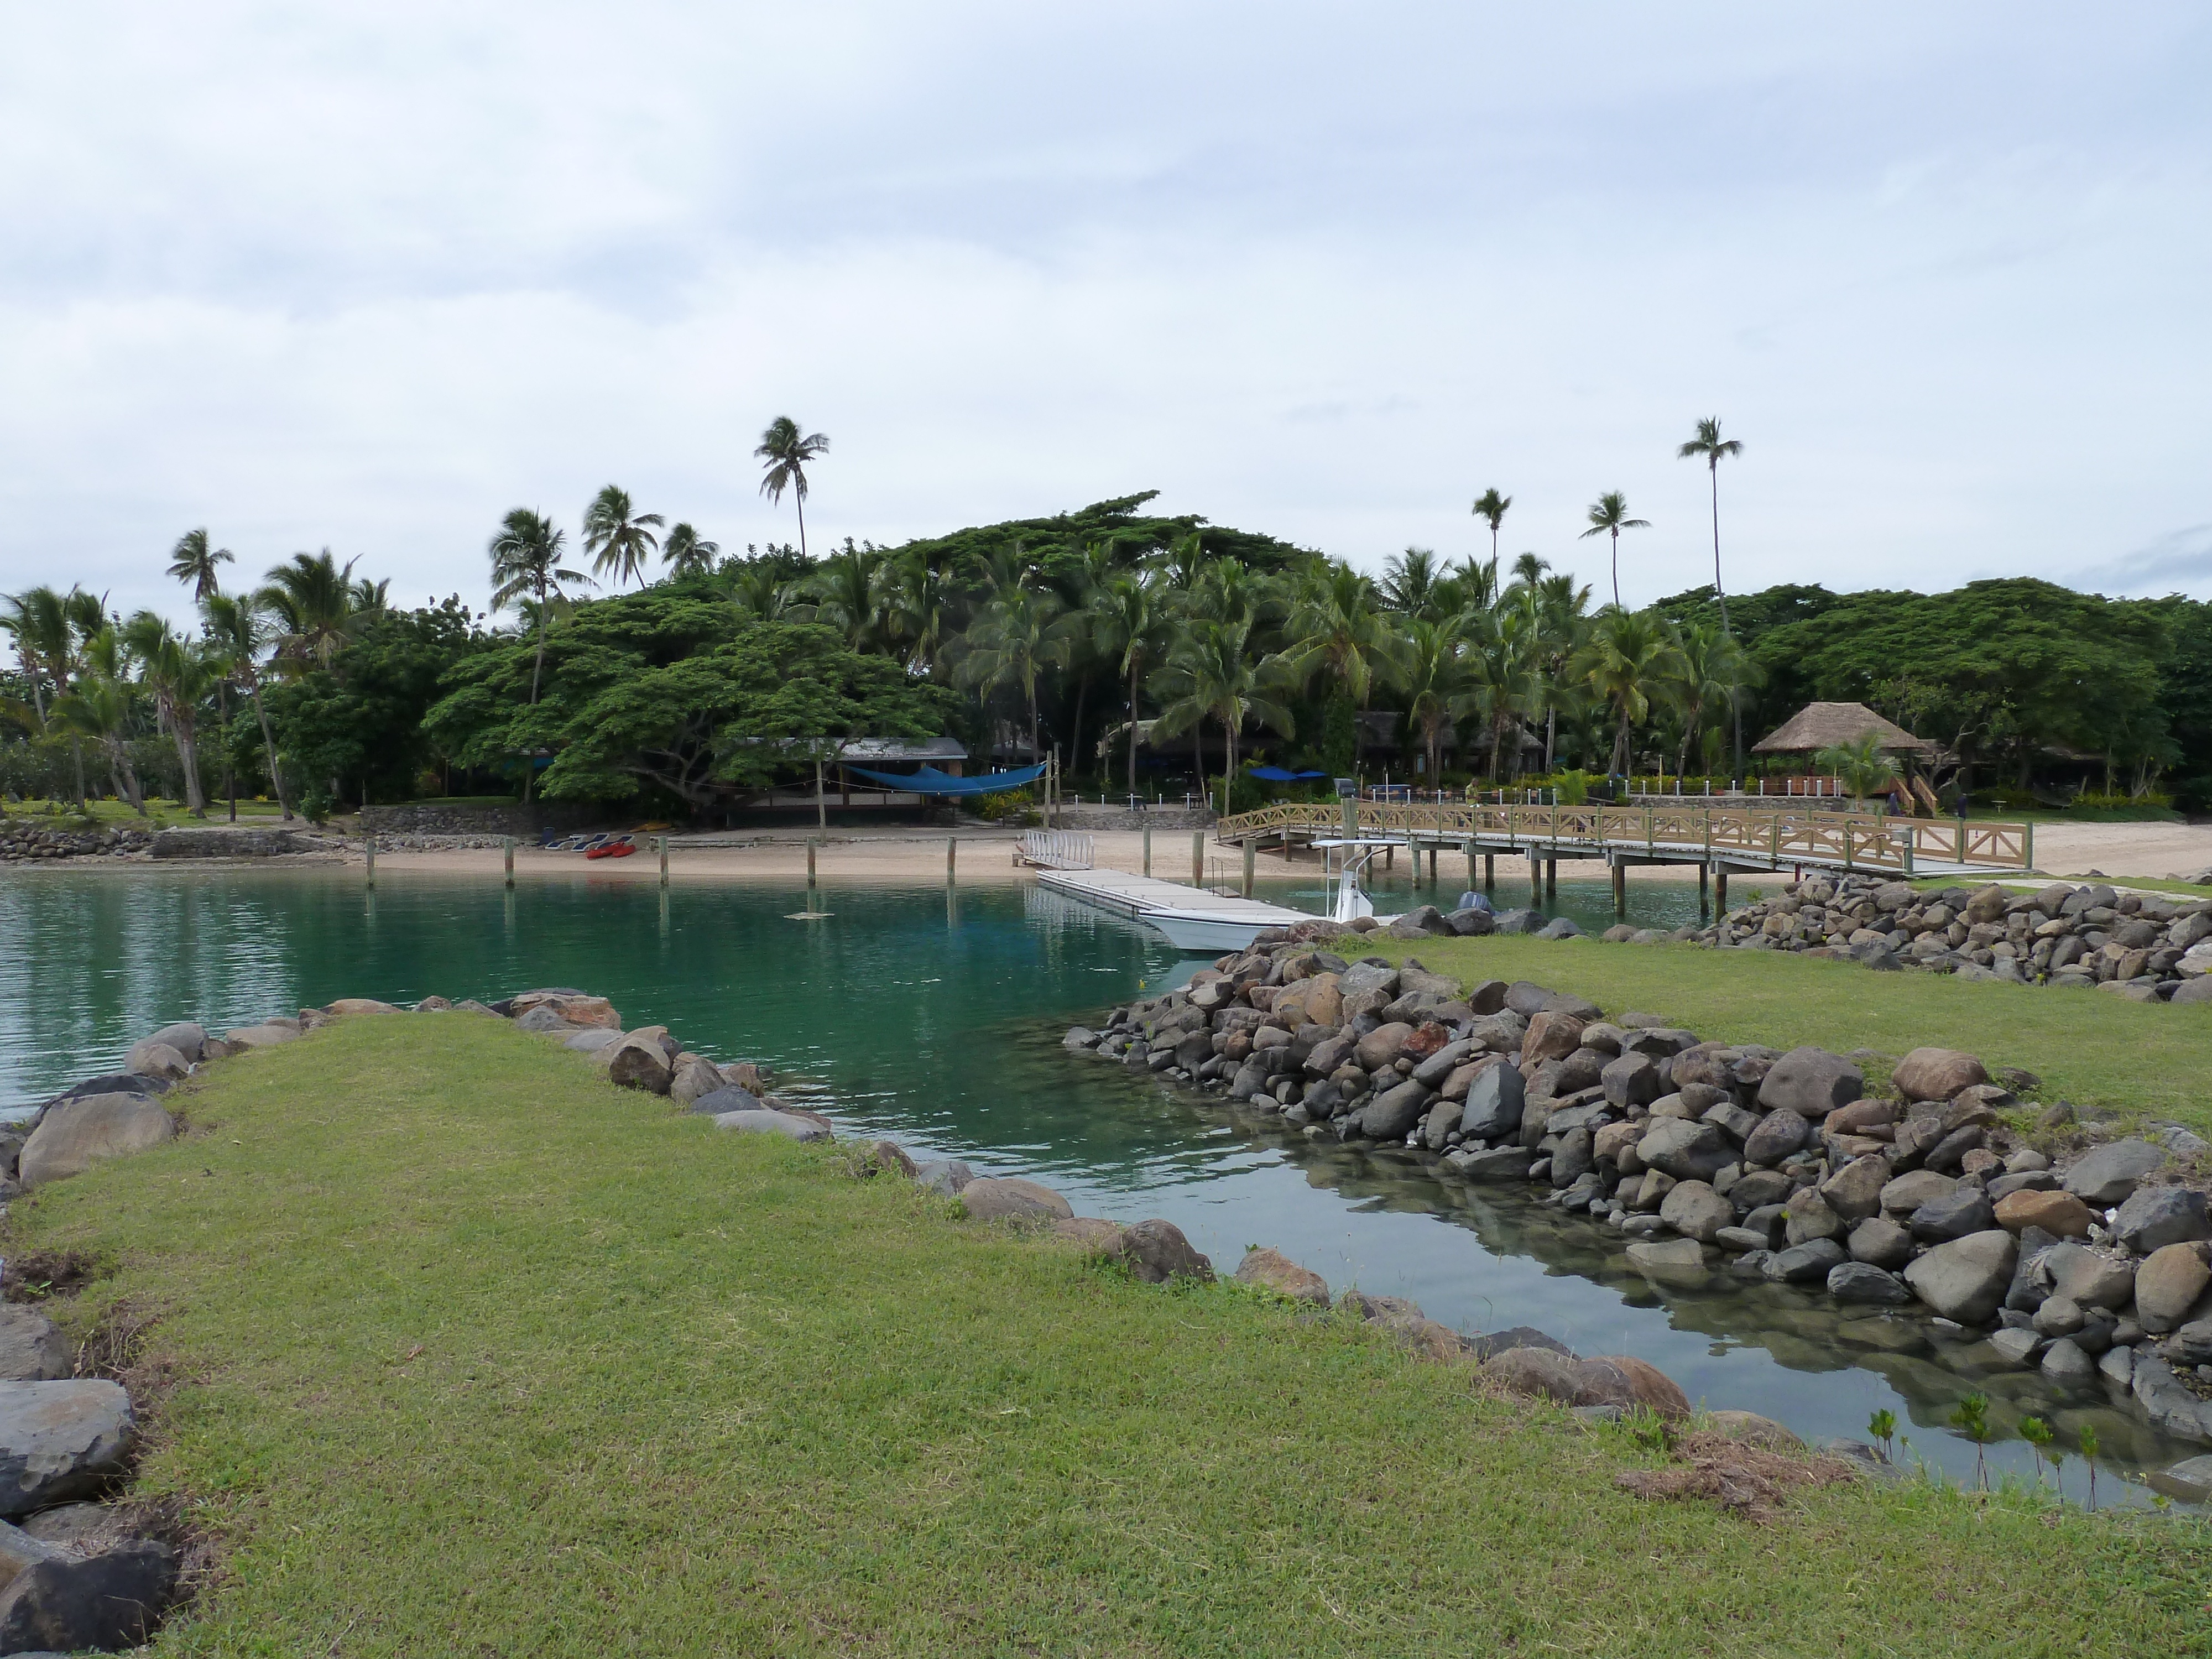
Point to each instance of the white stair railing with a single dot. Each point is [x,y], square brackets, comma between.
[1057,849]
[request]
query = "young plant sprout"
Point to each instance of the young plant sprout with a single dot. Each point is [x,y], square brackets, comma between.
[2089,1443]
[1972,1418]
[2037,1433]
[1882,1426]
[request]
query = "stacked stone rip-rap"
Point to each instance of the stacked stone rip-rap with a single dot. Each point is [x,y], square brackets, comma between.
[1729,1159]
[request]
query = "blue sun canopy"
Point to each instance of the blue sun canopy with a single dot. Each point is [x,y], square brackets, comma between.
[1276,775]
[928,781]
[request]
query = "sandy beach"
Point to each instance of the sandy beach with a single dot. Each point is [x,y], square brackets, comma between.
[986,857]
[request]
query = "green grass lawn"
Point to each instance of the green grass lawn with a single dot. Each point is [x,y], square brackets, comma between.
[2101,1052]
[110,813]
[479,1355]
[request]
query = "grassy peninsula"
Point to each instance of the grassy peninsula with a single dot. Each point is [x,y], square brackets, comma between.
[478,1354]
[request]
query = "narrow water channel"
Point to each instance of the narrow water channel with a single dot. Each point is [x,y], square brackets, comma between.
[933,1016]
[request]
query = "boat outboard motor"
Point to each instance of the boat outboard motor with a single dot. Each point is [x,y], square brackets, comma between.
[1474,901]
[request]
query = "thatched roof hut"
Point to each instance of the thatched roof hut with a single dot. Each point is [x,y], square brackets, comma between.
[1819,726]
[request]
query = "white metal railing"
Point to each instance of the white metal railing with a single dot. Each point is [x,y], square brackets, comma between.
[1057,849]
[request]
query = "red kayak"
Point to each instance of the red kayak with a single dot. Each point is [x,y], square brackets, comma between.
[620,849]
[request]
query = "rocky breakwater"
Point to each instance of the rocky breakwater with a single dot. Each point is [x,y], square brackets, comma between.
[24,841]
[1903,1185]
[2139,946]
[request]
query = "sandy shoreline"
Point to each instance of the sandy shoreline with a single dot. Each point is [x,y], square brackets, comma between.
[911,858]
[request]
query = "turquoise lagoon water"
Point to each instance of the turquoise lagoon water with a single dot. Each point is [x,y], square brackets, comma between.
[933,1016]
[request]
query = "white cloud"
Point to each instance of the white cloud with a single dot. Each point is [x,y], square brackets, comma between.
[369,276]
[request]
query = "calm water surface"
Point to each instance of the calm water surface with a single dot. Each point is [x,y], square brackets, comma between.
[934,1017]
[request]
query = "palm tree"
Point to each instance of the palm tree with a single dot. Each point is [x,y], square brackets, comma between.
[1018,633]
[1608,515]
[1470,589]
[1210,674]
[317,606]
[1437,683]
[98,707]
[193,561]
[917,608]
[1335,627]
[526,563]
[1410,582]
[615,535]
[787,454]
[1710,446]
[1503,682]
[1713,671]
[180,678]
[1629,661]
[762,594]
[239,632]
[39,620]
[687,554]
[1861,765]
[847,590]
[1181,562]
[1490,507]
[1132,625]
[1528,569]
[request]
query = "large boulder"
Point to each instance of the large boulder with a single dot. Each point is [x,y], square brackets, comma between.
[2156,1216]
[1315,1001]
[1494,1102]
[2092,1276]
[2109,1173]
[1684,1149]
[60,1440]
[1011,1197]
[1881,1243]
[590,1040]
[269,1034]
[1381,1046]
[1780,1134]
[640,1060]
[764,1120]
[1811,1083]
[2169,1284]
[188,1037]
[1914,1188]
[1534,1373]
[1936,1073]
[357,1005]
[694,1079]
[2060,1214]
[1156,1251]
[947,1177]
[60,1600]
[728,1098]
[1550,1036]
[1963,1211]
[1854,1192]
[1694,1209]
[1648,1385]
[156,1060]
[78,1134]
[31,1349]
[1271,1270]
[1967,1279]
[1861,1281]
[1392,1115]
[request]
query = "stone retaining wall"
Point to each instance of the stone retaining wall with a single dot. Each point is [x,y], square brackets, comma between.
[225,842]
[525,823]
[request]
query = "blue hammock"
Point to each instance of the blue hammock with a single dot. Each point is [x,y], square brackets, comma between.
[930,781]
[1276,775]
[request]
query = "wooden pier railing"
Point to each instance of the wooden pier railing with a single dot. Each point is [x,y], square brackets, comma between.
[1768,835]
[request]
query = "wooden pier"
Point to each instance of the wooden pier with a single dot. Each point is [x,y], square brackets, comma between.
[1719,840]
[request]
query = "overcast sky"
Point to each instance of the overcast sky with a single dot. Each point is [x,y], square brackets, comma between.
[368,275]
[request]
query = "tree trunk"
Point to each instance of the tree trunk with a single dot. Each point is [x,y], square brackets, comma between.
[1133,725]
[1075,739]
[188,753]
[1616,570]
[1497,742]
[76,755]
[1551,735]
[269,747]
[126,779]
[798,499]
[1620,744]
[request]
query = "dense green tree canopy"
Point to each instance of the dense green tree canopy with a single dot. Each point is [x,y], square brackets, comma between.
[677,691]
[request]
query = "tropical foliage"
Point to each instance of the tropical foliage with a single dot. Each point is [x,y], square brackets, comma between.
[1129,644]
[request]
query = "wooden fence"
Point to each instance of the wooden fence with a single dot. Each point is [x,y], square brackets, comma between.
[1772,836]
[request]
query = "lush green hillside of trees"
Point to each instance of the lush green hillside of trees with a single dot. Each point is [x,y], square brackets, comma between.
[713,676]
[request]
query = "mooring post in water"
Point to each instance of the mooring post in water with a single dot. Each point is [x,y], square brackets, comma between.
[1198,858]
[1470,861]
[951,851]
[1148,849]
[820,802]
[368,849]
[1489,873]
[663,840]
[810,861]
[1248,866]
[1536,877]
[1621,890]
[1720,888]
[1704,879]
[507,847]
[1552,877]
